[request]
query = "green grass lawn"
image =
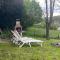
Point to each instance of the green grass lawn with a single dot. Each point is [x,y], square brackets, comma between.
[10,51]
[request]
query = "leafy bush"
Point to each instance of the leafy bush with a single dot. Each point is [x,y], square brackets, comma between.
[5,34]
[10,13]
[40,25]
[41,32]
[53,27]
[34,32]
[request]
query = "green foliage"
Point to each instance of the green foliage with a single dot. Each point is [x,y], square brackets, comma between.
[32,13]
[28,11]
[6,34]
[10,11]
[39,30]
[54,34]
[53,27]
[40,25]
[56,20]
[35,32]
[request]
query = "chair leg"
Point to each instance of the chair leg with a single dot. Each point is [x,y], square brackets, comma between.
[21,45]
[29,44]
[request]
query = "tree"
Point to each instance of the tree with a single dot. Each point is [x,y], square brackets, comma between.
[28,11]
[52,3]
[32,13]
[10,10]
[49,21]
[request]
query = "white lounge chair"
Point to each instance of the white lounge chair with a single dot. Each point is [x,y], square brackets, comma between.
[25,40]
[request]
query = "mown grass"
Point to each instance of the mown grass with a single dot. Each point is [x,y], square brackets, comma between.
[10,51]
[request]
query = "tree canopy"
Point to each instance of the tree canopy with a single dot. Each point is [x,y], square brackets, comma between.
[28,11]
[10,10]
[32,13]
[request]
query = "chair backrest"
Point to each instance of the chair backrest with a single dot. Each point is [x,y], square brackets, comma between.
[16,36]
[19,38]
[17,33]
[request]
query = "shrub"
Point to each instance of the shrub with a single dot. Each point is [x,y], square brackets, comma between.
[34,32]
[5,34]
[40,25]
[53,27]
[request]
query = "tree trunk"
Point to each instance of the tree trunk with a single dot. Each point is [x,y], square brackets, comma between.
[47,22]
[52,2]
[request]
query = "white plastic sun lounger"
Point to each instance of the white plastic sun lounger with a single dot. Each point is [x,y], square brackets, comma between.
[25,40]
